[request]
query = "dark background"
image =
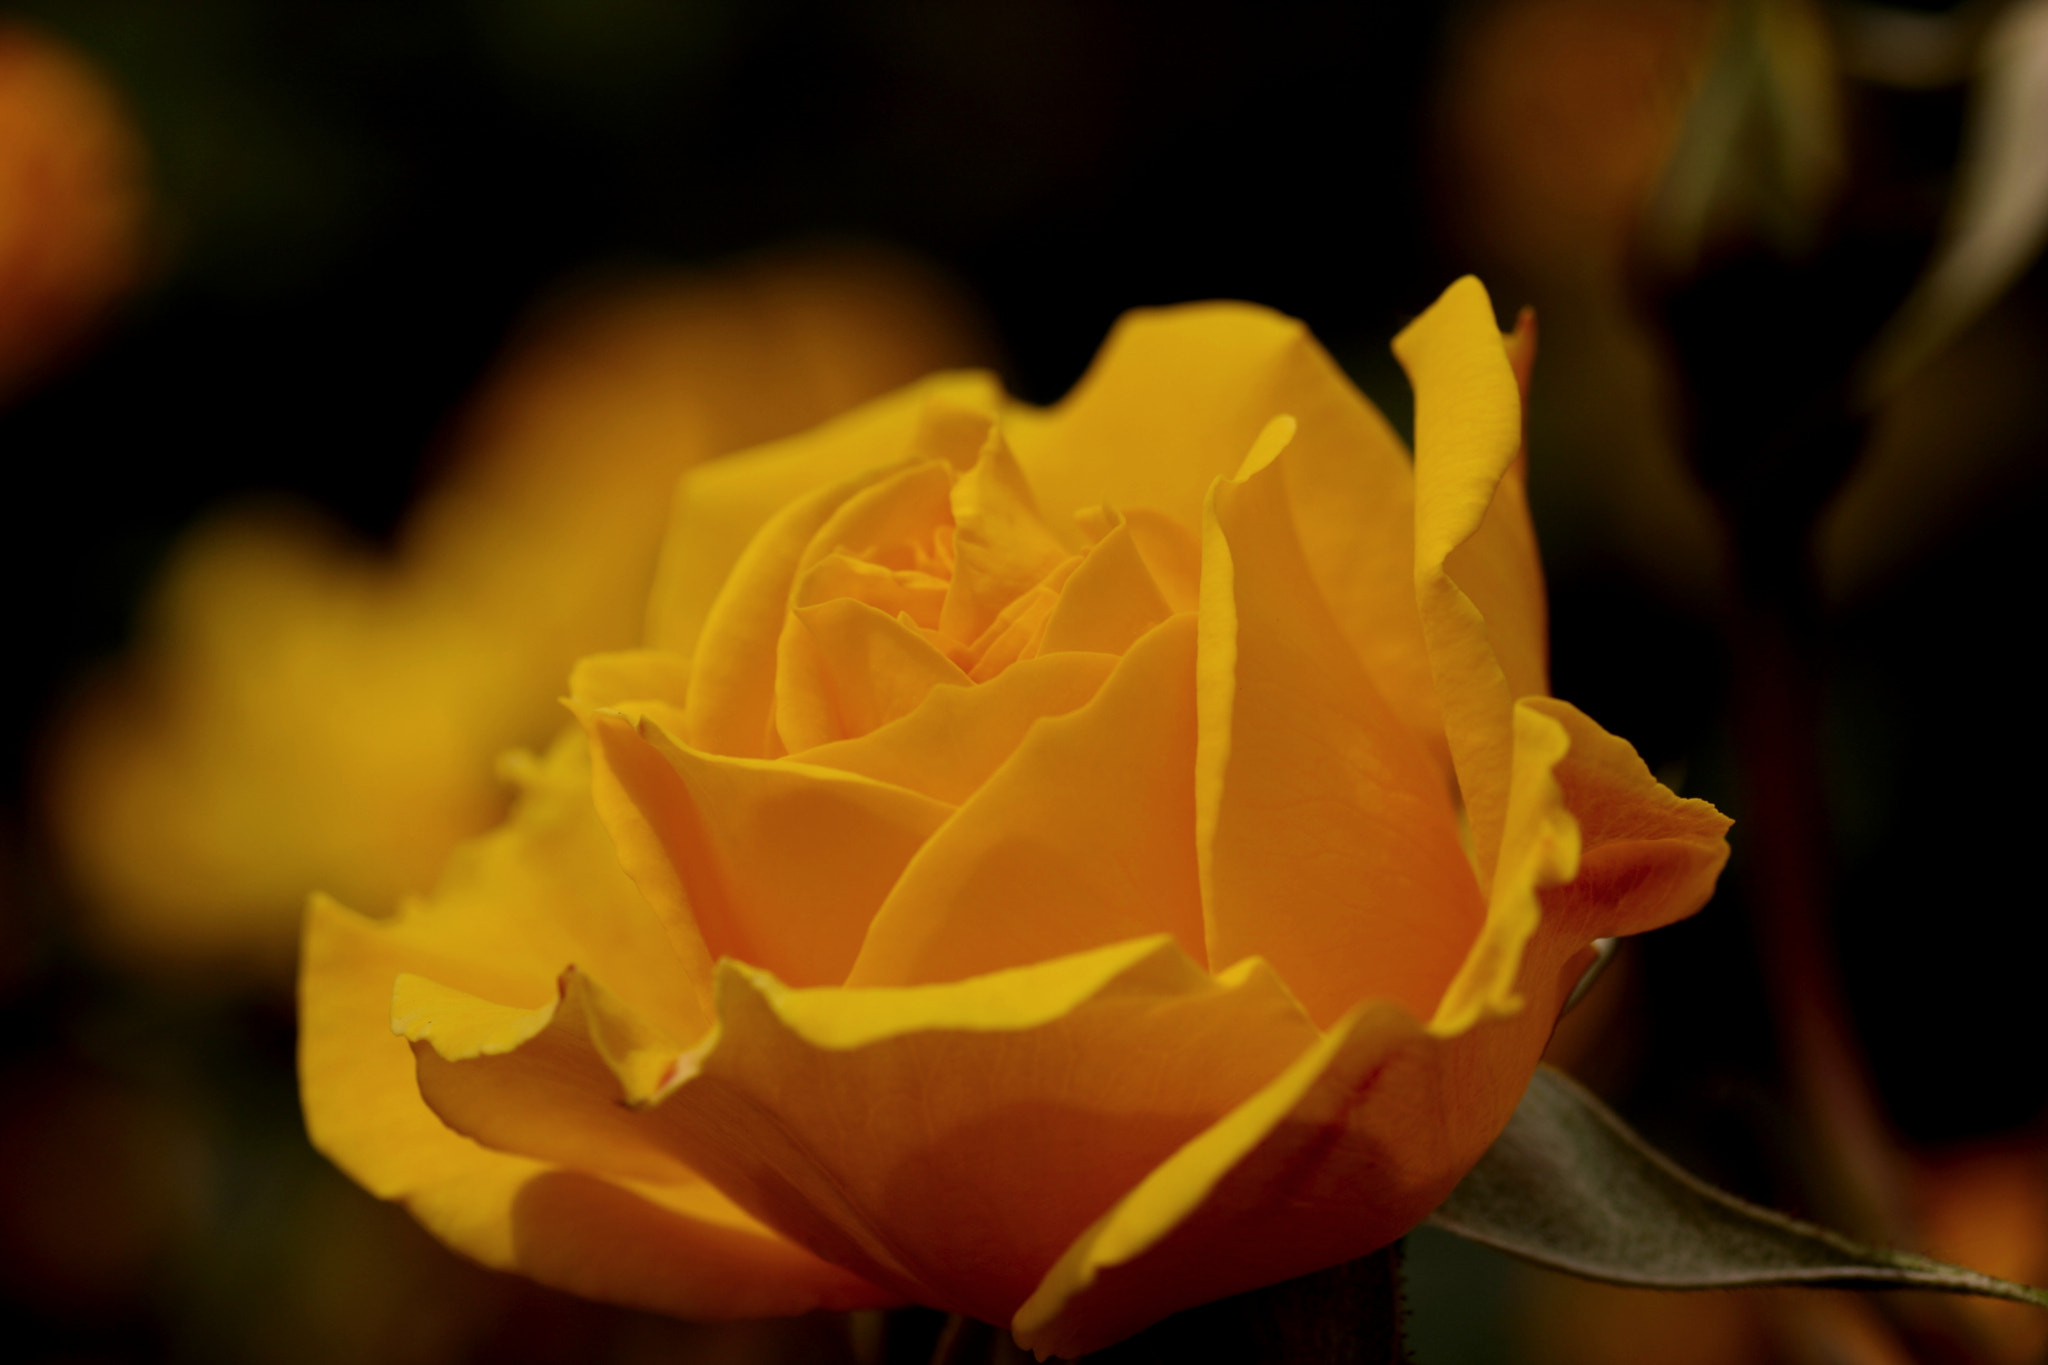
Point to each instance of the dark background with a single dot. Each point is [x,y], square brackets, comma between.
[357,198]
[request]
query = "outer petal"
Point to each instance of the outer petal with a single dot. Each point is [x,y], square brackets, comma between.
[1038,1095]
[677,1248]
[958,736]
[1175,398]
[1329,843]
[1084,837]
[1477,577]
[1373,1125]
[1650,857]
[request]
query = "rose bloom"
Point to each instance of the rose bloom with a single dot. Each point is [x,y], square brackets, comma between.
[1025,871]
[302,710]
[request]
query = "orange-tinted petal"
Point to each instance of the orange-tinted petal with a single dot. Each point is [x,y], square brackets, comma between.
[1084,837]
[678,1248]
[948,1141]
[958,736]
[1477,577]
[1372,1126]
[843,669]
[775,862]
[1650,857]
[1329,842]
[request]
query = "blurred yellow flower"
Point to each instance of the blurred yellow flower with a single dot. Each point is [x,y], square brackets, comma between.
[1023,872]
[303,711]
[71,201]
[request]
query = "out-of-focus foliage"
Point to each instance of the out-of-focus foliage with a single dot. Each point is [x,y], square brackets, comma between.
[307,713]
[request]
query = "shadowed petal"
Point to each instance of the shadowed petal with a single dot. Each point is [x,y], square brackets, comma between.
[677,1247]
[1328,840]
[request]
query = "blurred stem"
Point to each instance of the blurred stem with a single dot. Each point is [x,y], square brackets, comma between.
[1350,1314]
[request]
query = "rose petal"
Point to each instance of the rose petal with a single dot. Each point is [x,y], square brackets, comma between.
[680,1248]
[1065,1082]
[775,862]
[1328,840]
[1084,837]
[1109,600]
[720,506]
[958,736]
[721,591]
[1172,552]
[630,675]
[1477,577]
[1002,546]
[1371,1126]
[844,669]
[892,592]
[1650,857]
[1172,402]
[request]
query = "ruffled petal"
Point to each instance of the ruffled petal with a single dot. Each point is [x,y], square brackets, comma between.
[1477,577]
[678,1248]
[1084,837]
[1373,1124]
[1328,841]
[1065,1082]
[958,736]
[1650,857]
[774,862]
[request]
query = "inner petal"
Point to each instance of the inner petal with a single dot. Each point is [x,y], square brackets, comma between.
[844,668]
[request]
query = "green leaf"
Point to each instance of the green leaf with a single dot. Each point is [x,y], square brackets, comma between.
[1568,1186]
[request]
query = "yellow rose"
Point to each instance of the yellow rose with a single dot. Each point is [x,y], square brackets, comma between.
[1024,872]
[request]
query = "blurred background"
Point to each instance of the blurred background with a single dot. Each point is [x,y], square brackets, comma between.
[348,351]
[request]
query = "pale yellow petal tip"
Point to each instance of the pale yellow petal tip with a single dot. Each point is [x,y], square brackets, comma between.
[1277,435]
[459,1026]
[842,1018]
[1465,301]
[1541,847]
